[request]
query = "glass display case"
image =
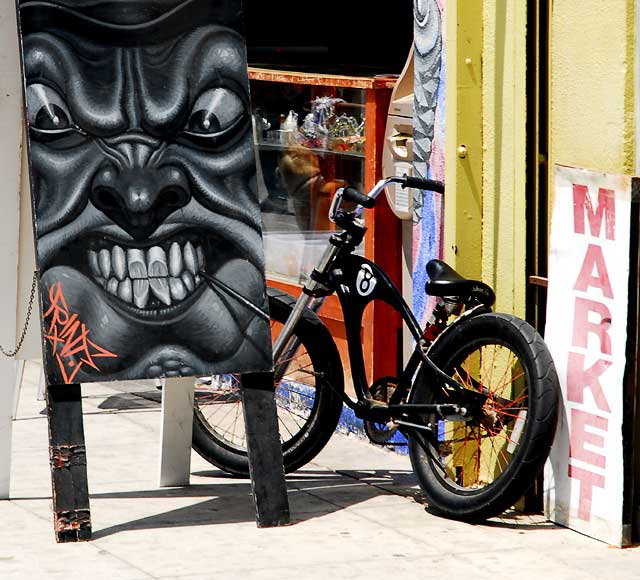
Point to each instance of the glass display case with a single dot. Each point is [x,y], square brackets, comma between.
[310,142]
[315,133]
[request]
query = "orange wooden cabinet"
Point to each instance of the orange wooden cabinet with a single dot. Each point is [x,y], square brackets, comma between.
[297,179]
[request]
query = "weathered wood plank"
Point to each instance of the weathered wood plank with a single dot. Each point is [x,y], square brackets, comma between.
[68,459]
[264,449]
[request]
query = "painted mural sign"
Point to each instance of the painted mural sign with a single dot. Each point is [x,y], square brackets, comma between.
[428,139]
[586,332]
[148,232]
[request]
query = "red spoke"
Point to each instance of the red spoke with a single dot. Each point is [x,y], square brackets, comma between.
[503,379]
[501,387]
[512,415]
[493,366]
[511,405]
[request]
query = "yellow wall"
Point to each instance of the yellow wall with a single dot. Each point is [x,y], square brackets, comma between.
[592,84]
[485,212]
[504,139]
[592,122]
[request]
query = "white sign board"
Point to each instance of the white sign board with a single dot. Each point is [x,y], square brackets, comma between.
[586,333]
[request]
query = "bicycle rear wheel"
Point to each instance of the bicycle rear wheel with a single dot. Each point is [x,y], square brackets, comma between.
[307,398]
[473,470]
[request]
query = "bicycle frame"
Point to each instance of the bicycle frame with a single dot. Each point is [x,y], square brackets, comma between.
[357,282]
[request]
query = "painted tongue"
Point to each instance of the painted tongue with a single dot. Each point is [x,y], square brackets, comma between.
[243,278]
[68,295]
[212,330]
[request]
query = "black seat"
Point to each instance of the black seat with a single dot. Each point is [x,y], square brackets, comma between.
[445,281]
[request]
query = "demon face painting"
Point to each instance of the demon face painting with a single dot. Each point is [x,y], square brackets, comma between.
[147,226]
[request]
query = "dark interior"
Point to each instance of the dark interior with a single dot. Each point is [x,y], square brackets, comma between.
[348,37]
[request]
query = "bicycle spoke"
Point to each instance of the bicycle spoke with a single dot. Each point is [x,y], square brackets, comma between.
[302,417]
[229,411]
[235,420]
[295,396]
[299,393]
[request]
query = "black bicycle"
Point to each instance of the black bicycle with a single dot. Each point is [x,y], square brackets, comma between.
[477,401]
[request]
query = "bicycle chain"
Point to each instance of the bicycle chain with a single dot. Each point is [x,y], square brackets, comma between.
[34,286]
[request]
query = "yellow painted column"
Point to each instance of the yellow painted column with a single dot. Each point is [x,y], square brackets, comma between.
[463,155]
[504,142]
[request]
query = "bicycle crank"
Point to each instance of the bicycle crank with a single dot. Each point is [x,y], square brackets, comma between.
[379,432]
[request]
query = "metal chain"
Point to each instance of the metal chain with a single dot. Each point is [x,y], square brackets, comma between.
[34,287]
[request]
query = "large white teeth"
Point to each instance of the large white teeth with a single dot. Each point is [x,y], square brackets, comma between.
[141,292]
[190,258]
[125,290]
[137,264]
[178,291]
[134,275]
[119,262]
[188,281]
[160,287]
[157,263]
[200,254]
[175,260]
[94,264]
[104,260]
[112,286]
[158,272]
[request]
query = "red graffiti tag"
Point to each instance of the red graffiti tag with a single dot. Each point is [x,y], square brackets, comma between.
[69,338]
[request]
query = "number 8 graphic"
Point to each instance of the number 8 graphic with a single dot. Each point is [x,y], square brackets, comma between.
[366,281]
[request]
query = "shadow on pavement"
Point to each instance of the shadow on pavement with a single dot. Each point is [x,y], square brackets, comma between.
[311,494]
[521,522]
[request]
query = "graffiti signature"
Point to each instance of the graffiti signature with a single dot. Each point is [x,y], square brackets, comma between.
[69,338]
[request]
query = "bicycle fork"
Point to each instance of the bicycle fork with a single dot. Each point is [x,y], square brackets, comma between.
[286,345]
[309,298]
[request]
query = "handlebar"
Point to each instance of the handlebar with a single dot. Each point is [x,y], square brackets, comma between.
[367,201]
[350,193]
[424,184]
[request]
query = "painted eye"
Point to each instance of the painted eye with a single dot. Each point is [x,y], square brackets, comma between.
[47,110]
[421,12]
[214,112]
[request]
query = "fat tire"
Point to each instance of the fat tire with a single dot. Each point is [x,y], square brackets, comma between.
[321,424]
[459,503]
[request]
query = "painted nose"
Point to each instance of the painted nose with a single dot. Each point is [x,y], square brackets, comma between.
[138,196]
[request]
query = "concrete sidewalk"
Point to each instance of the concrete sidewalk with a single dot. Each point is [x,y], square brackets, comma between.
[356,513]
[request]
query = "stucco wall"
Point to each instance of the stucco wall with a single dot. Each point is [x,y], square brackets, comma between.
[592,122]
[592,84]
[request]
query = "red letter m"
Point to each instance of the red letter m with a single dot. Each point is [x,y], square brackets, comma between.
[606,208]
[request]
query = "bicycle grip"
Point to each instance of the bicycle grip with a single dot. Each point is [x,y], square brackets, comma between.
[424,184]
[350,193]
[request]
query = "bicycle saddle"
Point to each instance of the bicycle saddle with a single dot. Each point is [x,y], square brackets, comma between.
[445,281]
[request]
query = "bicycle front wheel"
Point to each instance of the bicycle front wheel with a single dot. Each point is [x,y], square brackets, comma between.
[475,469]
[308,398]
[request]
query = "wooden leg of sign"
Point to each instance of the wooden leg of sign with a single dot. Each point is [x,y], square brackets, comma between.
[264,450]
[67,454]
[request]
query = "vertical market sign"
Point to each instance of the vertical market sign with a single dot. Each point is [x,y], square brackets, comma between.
[586,332]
